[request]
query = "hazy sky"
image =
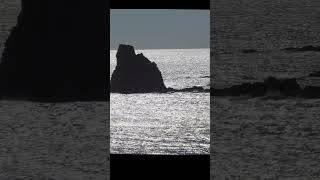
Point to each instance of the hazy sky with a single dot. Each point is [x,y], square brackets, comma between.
[160,29]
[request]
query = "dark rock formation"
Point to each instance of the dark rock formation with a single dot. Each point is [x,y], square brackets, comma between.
[284,87]
[56,51]
[304,48]
[134,73]
[315,74]
[248,51]
[311,92]
[196,89]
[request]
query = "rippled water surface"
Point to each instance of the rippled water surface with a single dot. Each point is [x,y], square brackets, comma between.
[54,140]
[167,123]
[260,138]
[264,137]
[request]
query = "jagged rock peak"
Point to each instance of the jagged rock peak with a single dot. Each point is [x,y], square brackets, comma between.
[135,73]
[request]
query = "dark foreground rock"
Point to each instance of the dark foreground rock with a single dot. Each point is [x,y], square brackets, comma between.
[270,87]
[54,53]
[134,73]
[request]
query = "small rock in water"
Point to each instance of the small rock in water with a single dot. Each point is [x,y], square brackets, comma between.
[315,74]
[311,92]
[247,51]
[284,87]
[304,48]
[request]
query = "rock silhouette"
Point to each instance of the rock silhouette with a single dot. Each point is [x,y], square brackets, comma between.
[194,89]
[134,73]
[248,51]
[269,87]
[55,53]
[311,92]
[304,48]
[315,74]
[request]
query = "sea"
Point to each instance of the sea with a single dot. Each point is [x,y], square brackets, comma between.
[165,123]
[263,138]
[67,140]
[256,134]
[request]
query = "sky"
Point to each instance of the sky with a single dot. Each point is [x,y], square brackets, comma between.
[160,28]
